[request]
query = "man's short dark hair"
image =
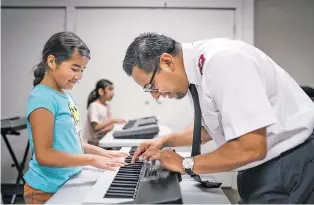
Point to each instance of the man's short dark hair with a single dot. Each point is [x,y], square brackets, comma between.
[145,50]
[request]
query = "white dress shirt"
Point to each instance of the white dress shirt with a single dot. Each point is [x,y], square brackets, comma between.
[241,89]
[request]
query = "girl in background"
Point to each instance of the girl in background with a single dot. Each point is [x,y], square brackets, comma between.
[99,120]
[53,121]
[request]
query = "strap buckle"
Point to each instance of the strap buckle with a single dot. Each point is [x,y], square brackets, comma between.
[206,184]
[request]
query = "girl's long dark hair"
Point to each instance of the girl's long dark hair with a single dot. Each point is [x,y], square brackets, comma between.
[94,95]
[62,46]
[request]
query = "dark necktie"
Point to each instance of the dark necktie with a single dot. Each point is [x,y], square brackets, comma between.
[196,146]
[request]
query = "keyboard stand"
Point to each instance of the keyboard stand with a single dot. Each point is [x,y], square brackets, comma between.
[19,166]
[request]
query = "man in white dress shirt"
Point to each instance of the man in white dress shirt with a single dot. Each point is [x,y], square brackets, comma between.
[259,117]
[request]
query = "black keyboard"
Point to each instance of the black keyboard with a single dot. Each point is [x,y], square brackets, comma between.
[129,124]
[142,128]
[143,184]
[12,125]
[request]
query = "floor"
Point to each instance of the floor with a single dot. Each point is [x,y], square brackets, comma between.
[232,195]
[7,191]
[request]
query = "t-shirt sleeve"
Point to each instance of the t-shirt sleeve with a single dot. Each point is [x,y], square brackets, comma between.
[93,113]
[239,93]
[41,99]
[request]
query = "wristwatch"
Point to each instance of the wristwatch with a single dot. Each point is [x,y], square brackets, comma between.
[188,164]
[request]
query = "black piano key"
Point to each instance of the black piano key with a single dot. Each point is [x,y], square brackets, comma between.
[114,184]
[118,192]
[119,195]
[122,189]
[137,166]
[127,175]
[126,179]
[137,170]
[129,166]
[124,182]
[119,185]
[129,160]
[133,165]
[129,171]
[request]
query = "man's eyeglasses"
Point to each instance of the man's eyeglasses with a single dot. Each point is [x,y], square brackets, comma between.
[150,86]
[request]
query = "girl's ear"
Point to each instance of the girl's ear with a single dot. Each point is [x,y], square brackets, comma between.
[101,91]
[51,62]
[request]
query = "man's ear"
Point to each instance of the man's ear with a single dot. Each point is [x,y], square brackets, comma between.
[51,62]
[167,62]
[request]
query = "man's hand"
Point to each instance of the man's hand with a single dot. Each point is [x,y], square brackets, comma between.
[168,158]
[157,143]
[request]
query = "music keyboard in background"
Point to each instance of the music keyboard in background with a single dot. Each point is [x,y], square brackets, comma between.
[142,128]
[136,183]
[12,125]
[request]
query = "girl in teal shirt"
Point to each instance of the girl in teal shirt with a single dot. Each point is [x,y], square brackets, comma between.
[54,123]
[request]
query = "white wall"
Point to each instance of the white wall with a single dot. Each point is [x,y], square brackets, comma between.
[284,29]
[108,52]
[24,32]
[32,28]
[26,29]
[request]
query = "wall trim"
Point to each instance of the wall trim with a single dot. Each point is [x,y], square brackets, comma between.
[243,9]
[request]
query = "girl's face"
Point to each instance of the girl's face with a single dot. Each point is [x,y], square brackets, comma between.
[69,72]
[106,94]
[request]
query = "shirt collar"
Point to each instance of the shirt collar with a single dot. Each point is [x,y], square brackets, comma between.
[190,63]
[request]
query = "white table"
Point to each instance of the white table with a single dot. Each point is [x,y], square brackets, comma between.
[109,141]
[76,189]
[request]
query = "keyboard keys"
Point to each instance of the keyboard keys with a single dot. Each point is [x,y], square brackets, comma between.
[135,181]
[125,183]
[129,124]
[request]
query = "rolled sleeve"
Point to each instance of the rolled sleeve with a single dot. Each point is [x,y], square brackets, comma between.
[239,94]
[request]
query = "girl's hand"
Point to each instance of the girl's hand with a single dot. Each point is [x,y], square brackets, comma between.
[102,162]
[121,121]
[116,154]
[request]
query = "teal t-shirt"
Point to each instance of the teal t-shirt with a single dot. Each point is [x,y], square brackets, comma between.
[66,137]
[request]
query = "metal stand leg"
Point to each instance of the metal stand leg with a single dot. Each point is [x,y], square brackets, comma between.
[18,166]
